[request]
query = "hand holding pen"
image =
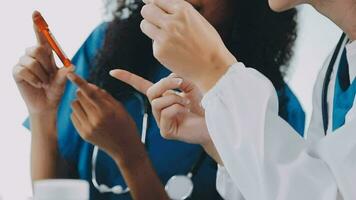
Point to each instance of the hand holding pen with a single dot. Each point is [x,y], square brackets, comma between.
[40,81]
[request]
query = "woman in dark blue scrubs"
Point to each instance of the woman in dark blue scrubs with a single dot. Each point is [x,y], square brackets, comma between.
[120,44]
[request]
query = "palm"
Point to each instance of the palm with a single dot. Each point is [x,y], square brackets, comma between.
[191,128]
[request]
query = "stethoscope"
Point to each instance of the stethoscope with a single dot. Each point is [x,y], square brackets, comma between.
[178,187]
[330,68]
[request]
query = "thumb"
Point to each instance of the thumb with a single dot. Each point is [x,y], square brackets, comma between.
[186,86]
[137,82]
[169,124]
[61,76]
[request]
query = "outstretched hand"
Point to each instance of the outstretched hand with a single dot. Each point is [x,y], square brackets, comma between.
[179,115]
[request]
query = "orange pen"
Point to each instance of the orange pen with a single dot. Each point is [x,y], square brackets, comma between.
[43,28]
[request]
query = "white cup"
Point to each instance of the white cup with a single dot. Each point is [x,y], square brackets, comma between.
[61,189]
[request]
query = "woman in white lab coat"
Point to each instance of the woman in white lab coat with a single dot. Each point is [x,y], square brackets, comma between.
[263,157]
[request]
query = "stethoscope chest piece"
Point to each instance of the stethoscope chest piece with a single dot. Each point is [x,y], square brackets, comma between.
[179,187]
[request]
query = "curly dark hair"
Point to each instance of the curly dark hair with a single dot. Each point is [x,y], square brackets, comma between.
[260,38]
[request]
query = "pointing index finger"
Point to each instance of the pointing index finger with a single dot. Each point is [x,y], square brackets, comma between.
[135,81]
[83,85]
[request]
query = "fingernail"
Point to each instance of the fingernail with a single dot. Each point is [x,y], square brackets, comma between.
[172,75]
[70,76]
[112,73]
[71,68]
[178,81]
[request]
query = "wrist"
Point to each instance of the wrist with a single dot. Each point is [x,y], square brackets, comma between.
[128,152]
[217,65]
[44,125]
[44,114]
[130,158]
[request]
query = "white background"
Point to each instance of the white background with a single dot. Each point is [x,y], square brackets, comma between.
[71,22]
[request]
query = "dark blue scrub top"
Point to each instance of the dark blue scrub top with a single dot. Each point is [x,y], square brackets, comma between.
[169,158]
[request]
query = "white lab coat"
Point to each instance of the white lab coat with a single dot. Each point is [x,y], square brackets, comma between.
[264,158]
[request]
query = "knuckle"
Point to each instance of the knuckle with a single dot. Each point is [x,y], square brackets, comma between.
[166,135]
[75,103]
[36,50]
[184,10]
[105,94]
[33,79]
[72,105]
[29,50]
[87,135]
[159,52]
[143,24]
[149,93]
[177,99]
[144,10]
[91,94]
[32,64]
[170,26]
[154,104]
[23,59]
[94,92]
[16,70]
[187,6]
[182,6]
[165,39]
[98,122]
[90,130]
[175,108]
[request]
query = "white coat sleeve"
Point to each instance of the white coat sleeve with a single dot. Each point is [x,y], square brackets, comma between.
[264,156]
[225,186]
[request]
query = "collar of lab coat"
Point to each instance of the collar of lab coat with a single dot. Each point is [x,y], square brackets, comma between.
[315,131]
[351,58]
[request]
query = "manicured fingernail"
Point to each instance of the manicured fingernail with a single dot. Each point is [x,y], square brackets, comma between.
[178,81]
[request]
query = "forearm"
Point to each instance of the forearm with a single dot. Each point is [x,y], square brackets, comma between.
[139,174]
[45,160]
